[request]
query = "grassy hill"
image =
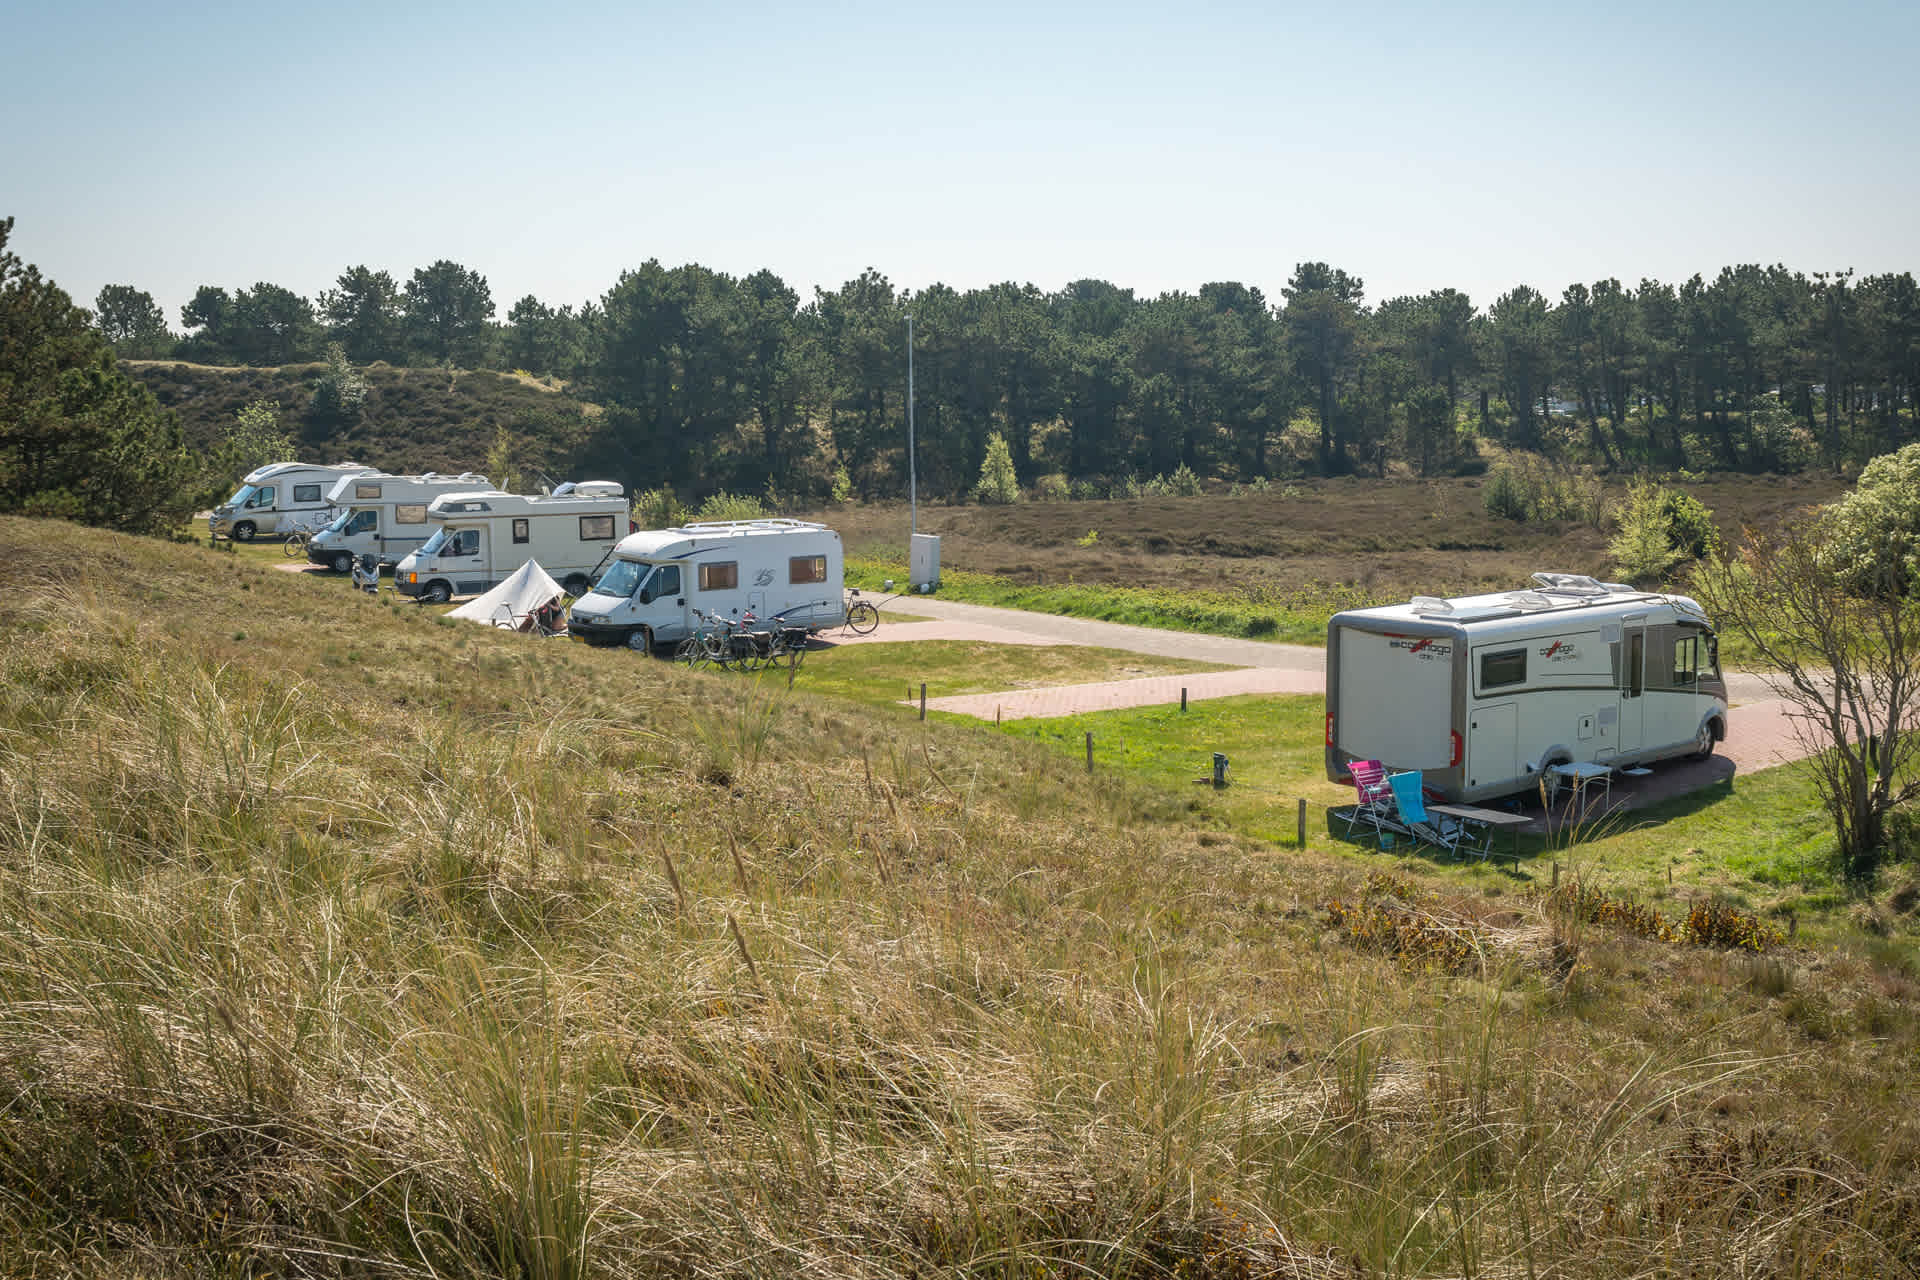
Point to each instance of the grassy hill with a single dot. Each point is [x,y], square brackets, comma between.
[414,419]
[347,940]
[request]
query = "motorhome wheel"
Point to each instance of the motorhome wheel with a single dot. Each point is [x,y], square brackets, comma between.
[438,592]
[343,562]
[1703,742]
[640,639]
[243,532]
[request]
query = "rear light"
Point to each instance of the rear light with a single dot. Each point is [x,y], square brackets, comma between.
[1329,728]
[1459,748]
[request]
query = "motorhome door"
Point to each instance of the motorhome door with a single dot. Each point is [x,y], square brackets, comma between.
[466,558]
[1633,684]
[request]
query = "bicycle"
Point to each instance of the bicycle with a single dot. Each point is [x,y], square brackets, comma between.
[862,614]
[299,535]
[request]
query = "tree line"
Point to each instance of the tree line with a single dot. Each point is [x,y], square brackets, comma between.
[712,380]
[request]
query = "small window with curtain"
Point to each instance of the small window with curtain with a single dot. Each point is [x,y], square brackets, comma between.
[807,569]
[720,577]
[596,528]
[365,491]
[306,493]
[410,513]
[1508,666]
[520,533]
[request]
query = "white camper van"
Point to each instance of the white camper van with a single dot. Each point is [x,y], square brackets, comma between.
[1483,693]
[481,537]
[276,497]
[660,579]
[384,516]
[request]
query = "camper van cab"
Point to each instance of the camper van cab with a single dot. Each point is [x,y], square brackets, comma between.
[481,537]
[1484,693]
[381,515]
[272,498]
[661,581]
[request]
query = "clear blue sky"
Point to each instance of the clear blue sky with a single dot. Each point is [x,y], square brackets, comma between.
[1159,146]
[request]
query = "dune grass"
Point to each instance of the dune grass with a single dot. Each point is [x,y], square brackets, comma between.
[342,940]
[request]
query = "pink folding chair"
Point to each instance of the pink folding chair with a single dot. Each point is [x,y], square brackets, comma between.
[1375,798]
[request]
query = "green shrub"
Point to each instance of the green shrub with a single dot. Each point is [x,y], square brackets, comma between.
[999,485]
[1536,491]
[731,506]
[1052,487]
[658,509]
[1872,535]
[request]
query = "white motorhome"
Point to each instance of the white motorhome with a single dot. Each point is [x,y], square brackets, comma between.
[481,537]
[1484,693]
[662,580]
[384,516]
[277,498]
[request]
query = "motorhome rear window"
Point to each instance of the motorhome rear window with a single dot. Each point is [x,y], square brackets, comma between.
[596,528]
[363,491]
[410,513]
[1508,666]
[306,493]
[720,577]
[807,569]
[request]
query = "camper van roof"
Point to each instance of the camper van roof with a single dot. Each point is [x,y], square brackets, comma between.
[673,542]
[282,468]
[1550,593]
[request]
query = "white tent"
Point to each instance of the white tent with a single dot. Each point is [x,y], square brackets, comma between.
[529,588]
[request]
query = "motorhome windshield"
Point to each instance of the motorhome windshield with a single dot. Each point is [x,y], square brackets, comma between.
[240,495]
[432,545]
[339,522]
[621,577]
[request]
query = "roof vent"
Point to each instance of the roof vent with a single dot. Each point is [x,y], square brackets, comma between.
[1570,584]
[1528,600]
[1430,604]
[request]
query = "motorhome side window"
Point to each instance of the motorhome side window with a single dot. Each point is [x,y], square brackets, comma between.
[520,529]
[410,513]
[465,543]
[306,493]
[666,580]
[807,569]
[720,577]
[363,522]
[1508,666]
[596,528]
[364,492]
[261,497]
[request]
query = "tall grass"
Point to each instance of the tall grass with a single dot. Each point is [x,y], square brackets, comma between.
[310,970]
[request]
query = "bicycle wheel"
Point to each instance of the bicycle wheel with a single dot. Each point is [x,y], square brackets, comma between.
[295,546]
[862,617]
[691,652]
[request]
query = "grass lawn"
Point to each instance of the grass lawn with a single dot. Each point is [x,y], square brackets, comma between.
[1762,841]
[887,673]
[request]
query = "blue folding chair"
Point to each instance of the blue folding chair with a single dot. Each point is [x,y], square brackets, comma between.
[1430,828]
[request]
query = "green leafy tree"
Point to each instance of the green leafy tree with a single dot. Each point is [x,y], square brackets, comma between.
[132,322]
[1848,666]
[447,310]
[339,394]
[1871,537]
[77,438]
[505,461]
[1321,321]
[253,439]
[362,315]
[999,485]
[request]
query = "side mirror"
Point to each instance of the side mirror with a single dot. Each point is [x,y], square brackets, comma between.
[646,596]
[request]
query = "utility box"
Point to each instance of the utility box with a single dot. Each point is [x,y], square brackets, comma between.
[923,562]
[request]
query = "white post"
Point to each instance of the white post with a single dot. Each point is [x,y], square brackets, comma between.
[913,459]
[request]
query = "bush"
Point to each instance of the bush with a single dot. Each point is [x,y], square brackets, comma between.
[1659,528]
[1052,487]
[999,485]
[731,506]
[1532,492]
[1872,536]
[658,509]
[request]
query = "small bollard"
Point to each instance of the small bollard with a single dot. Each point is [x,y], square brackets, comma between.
[996,715]
[1219,770]
[923,700]
[1303,822]
[1183,699]
[1089,751]
[1556,875]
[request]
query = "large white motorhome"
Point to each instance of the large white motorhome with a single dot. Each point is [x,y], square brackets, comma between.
[662,580]
[276,498]
[384,516]
[481,537]
[1484,693]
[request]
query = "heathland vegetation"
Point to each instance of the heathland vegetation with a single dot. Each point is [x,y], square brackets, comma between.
[346,941]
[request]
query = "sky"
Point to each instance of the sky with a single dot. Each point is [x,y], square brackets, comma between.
[1160,146]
